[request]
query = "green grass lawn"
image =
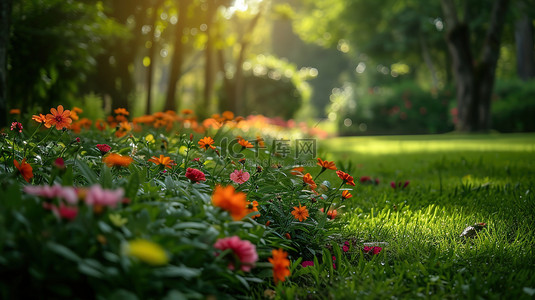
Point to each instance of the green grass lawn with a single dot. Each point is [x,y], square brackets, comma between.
[455,181]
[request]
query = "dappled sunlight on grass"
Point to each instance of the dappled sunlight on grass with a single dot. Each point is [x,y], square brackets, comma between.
[433,143]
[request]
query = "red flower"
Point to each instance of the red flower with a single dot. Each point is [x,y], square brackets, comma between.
[195,175]
[372,250]
[345,177]
[104,148]
[400,184]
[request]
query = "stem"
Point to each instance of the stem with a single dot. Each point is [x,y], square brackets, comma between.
[31,136]
[331,196]
[322,170]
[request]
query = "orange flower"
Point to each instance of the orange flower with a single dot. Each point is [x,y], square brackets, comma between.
[332,213]
[230,200]
[300,213]
[345,177]
[244,143]
[297,171]
[39,118]
[74,113]
[59,118]
[121,111]
[206,142]
[100,124]
[326,164]
[346,195]
[14,111]
[187,111]
[228,115]
[24,169]
[308,180]
[165,161]
[124,127]
[253,207]
[280,263]
[117,160]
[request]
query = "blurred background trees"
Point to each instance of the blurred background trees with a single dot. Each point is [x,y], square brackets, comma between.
[367,67]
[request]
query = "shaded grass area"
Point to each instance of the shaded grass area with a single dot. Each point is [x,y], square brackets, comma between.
[455,181]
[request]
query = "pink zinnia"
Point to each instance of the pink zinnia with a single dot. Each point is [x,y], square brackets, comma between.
[239,176]
[195,175]
[104,148]
[98,196]
[372,250]
[66,212]
[307,263]
[56,191]
[244,250]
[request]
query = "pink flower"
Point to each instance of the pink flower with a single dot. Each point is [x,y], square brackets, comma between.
[56,191]
[239,176]
[345,248]
[245,251]
[195,175]
[66,212]
[307,263]
[104,148]
[101,197]
[59,163]
[16,126]
[372,250]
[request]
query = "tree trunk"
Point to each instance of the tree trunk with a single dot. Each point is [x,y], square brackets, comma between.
[150,67]
[5,19]
[209,62]
[525,54]
[238,75]
[474,81]
[178,58]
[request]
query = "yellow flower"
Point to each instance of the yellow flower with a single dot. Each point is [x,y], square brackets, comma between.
[147,251]
[117,220]
[183,150]
[149,138]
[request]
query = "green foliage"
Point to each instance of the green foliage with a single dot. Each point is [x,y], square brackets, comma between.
[405,108]
[513,106]
[53,49]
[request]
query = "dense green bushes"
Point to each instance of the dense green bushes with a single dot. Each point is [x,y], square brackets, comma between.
[513,106]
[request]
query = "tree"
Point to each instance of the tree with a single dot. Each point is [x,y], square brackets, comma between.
[5,25]
[474,78]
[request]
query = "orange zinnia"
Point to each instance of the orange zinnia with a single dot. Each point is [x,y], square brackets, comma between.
[308,180]
[345,177]
[165,161]
[39,118]
[280,264]
[228,115]
[253,207]
[346,195]
[244,143]
[121,111]
[117,160]
[297,171]
[59,118]
[206,142]
[326,164]
[24,169]
[230,200]
[14,111]
[300,213]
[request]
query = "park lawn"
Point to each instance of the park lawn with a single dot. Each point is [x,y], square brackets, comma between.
[455,181]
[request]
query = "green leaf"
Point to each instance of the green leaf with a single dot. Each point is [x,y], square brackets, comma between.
[133,186]
[63,251]
[106,177]
[174,271]
[88,174]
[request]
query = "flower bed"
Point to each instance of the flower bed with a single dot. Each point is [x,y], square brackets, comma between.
[162,206]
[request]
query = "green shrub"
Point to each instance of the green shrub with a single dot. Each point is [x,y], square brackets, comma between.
[513,106]
[399,109]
